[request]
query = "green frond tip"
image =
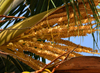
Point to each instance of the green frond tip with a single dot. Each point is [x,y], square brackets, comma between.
[53,3]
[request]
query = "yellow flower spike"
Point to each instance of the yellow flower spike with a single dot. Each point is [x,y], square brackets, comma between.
[41,46]
[10,44]
[46,71]
[56,55]
[78,50]
[26,72]
[27,45]
[7,45]
[34,39]
[15,45]
[33,34]
[22,34]
[42,36]
[71,55]
[20,41]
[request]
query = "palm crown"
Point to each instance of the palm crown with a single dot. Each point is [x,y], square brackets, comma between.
[46,22]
